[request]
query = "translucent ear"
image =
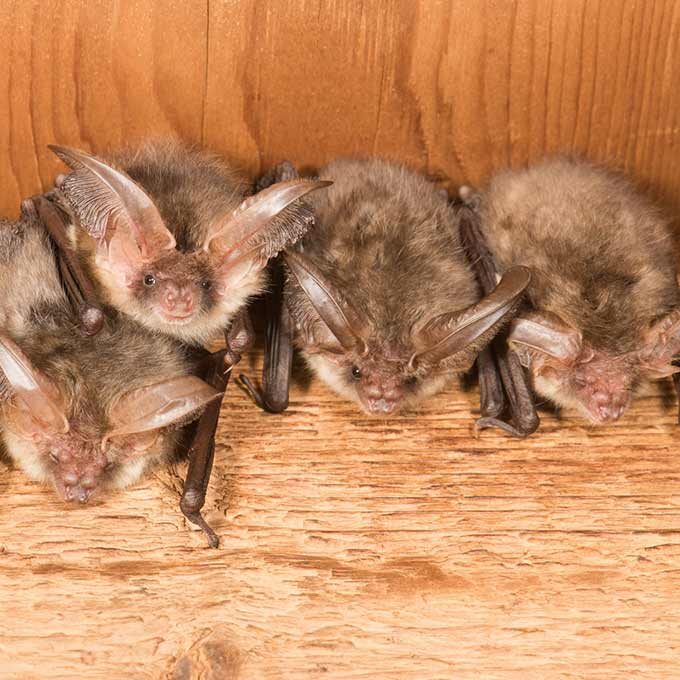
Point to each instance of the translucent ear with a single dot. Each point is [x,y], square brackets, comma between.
[341,320]
[116,211]
[35,403]
[173,402]
[541,333]
[661,346]
[262,226]
[464,334]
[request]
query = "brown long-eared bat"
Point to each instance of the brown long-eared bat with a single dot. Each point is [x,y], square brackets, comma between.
[603,309]
[172,238]
[89,399]
[380,297]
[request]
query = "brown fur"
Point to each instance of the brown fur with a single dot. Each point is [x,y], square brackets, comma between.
[193,191]
[602,264]
[388,242]
[91,373]
[600,252]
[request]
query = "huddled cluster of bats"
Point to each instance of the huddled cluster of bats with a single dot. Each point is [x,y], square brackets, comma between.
[558,280]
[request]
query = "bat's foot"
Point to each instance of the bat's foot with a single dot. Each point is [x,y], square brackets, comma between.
[194,516]
[520,432]
[246,384]
[259,397]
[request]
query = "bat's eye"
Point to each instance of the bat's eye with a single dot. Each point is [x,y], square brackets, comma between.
[356,372]
[411,381]
[149,280]
[206,285]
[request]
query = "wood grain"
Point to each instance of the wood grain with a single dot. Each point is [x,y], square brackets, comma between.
[454,88]
[354,548]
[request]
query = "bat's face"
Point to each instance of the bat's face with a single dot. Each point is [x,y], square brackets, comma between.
[598,383]
[81,465]
[180,294]
[192,291]
[83,446]
[358,360]
[383,383]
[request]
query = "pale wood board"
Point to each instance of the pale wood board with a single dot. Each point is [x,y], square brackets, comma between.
[355,548]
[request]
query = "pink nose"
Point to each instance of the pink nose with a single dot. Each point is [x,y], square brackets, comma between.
[609,407]
[77,492]
[381,405]
[178,299]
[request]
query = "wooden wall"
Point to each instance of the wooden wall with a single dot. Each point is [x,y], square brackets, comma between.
[454,87]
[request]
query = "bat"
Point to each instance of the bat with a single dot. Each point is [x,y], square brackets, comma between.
[602,313]
[170,236]
[92,413]
[380,298]
[91,399]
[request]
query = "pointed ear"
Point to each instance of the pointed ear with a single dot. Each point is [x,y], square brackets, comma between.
[262,226]
[115,210]
[548,336]
[175,402]
[464,334]
[661,345]
[341,320]
[35,406]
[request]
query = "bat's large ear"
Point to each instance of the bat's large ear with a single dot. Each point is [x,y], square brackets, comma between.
[34,404]
[145,410]
[544,335]
[344,329]
[262,226]
[661,346]
[462,335]
[116,211]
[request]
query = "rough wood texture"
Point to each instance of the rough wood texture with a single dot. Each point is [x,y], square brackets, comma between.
[354,548]
[455,88]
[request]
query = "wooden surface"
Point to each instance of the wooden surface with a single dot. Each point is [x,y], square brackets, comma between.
[354,548]
[455,88]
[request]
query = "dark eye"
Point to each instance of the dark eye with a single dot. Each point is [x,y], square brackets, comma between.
[149,280]
[356,372]
[206,285]
[411,381]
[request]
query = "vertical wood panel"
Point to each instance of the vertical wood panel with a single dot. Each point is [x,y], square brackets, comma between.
[455,88]
[96,75]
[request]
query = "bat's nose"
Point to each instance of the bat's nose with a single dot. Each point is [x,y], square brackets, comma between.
[77,492]
[382,406]
[609,407]
[178,300]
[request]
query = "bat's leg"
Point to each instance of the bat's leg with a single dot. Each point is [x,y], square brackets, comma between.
[491,397]
[202,450]
[80,290]
[278,349]
[215,371]
[520,417]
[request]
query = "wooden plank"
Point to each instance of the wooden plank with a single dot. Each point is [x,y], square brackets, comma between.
[95,75]
[456,88]
[356,548]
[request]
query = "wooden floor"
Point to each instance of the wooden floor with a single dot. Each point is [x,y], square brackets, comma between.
[354,548]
